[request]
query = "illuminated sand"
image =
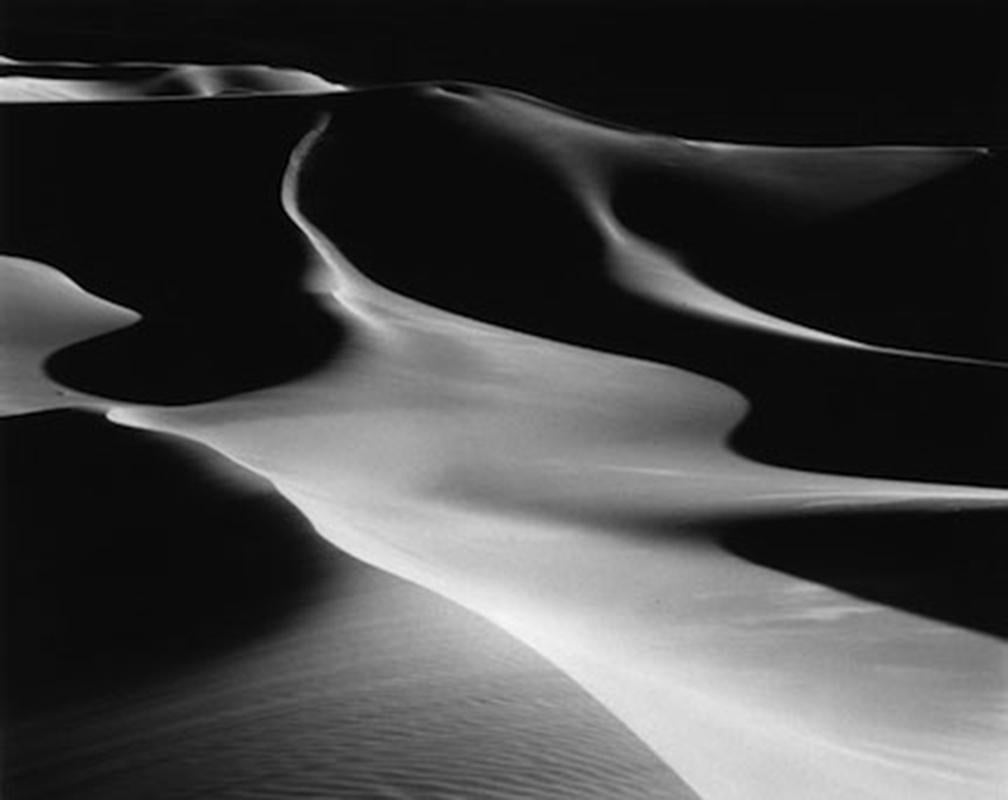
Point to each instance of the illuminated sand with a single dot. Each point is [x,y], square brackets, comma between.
[580,499]
[75,82]
[216,646]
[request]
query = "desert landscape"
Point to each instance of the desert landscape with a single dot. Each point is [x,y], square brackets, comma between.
[422,437]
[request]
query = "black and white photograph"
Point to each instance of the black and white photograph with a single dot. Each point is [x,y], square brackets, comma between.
[504,399]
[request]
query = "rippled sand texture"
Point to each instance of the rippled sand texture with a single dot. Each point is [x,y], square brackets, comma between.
[701,424]
[193,637]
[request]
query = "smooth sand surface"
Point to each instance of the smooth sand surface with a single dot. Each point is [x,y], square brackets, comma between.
[174,628]
[536,390]
[41,310]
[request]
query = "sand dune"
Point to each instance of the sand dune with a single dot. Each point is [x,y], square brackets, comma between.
[705,191]
[42,311]
[28,82]
[543,376]
[174,628]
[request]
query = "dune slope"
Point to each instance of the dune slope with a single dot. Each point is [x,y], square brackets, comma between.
[539,383]
[174,628]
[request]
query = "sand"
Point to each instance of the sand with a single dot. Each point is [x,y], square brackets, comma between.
[174,628]
[76,82]
[534,385]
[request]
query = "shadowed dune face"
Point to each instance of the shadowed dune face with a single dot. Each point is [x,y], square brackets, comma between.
[945,565]
[920,270]
[199,354]
[509,473]
[489,226]
[127,558]
[879,417]
[42,311]
[494,219]
[436,207]
[171,625]
[173,211]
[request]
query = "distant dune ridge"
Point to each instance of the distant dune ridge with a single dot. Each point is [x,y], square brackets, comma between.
[715,429]
[26,82]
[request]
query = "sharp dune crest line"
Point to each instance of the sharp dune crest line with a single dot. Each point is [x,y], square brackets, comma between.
[41,310]
[574,497]
[804,183]
[56,82]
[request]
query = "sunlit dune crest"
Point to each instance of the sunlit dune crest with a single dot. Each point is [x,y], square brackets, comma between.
[36,82]
[41,310]
[547,359]
[250,647]
[772,188]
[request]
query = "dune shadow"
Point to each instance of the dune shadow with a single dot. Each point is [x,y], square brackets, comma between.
[486,229]
[697,69]
[920,270]
[172,210]
[127,556]
[199,354]
[947,565]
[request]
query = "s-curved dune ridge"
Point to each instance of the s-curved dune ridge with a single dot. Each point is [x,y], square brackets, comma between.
[584,382]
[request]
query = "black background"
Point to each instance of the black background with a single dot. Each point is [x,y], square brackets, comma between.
[819,72]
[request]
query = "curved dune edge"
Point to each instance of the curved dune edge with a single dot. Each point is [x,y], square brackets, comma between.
[41,311]
[57,82]
[806,183]
[252,647]
[693,649]
[698,481]
[524,503]
[558,492]
[792,186]
[538,527]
